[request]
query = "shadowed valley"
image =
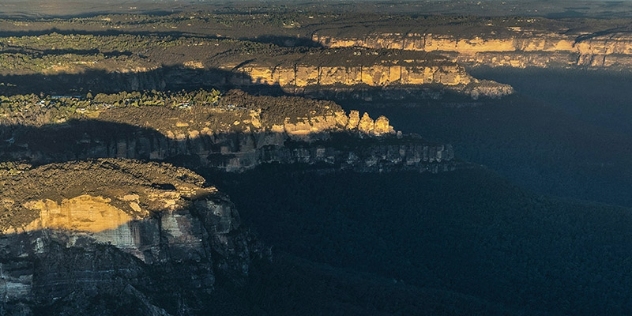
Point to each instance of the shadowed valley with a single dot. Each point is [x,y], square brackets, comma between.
[348,158]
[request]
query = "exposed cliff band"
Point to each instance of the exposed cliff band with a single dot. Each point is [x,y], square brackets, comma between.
[387,72]
[116,228]
[520,48]
[236,134]
[221,63]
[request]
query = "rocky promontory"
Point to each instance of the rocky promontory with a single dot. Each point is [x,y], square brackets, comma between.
[357,69]
[514,46]
[143,235]
[237,133]
[58,64]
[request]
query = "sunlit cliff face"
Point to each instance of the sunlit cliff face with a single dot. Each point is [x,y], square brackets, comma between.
[104,196]
[392,74]
[521,49]
[94,214]
[94,224]
[84,213]
[87,213]
[450,43]
[180,126]
[371,75]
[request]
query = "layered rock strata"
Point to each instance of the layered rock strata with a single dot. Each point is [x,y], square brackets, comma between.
[220,63]
[120,229]
[518,48]
[410,74]
[240,151]
[240,133]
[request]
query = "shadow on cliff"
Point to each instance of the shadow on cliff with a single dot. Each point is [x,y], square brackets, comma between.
[179,77]
[284,41]
[365,225]
[182,78]
[166,78]
[128,279]
[77,140]
[113,253]
[115,262]
[73,140]
[85,139]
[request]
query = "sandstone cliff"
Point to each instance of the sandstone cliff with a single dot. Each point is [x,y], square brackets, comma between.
[239,133]
[114,228]
[360,69]
[186,63]
[516,47]
[408,73]
[236,151]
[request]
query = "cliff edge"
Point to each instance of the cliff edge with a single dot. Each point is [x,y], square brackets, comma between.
[146,237]
[237,133]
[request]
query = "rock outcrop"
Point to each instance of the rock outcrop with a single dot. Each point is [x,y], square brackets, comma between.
[520,41]
[238,134]
[240,140]
[411,74]
[374,75]
[517,47]
[237,152]
[116,229]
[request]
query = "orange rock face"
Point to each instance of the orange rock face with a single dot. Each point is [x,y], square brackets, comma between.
[371,75]
[522,49]
[84,213]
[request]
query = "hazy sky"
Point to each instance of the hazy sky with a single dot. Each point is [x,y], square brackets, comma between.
[555,8]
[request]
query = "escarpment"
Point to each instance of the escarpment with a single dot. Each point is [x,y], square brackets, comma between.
[515,47]
[144,234]
[278,77]
[239,133]
[87,222]
[358,69]
[164,64]
[310,79]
